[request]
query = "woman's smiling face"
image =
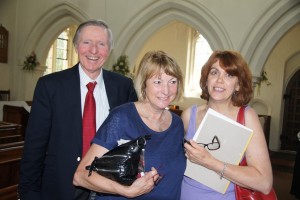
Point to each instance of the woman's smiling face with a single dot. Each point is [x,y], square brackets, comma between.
[220,84]
[161,90]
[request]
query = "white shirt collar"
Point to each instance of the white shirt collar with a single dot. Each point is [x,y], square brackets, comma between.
[85,79]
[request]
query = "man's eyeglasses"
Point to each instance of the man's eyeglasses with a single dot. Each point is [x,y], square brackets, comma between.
[214,145]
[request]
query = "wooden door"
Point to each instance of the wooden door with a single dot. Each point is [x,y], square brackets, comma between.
[291,116]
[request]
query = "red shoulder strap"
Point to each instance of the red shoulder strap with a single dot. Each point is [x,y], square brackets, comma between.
[241,120]
[241,116]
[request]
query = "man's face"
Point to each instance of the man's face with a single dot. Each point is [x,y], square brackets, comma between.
[93,49]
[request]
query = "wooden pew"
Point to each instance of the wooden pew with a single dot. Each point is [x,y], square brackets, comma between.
[10,133]
[16,115]
[10,157]
[4,95]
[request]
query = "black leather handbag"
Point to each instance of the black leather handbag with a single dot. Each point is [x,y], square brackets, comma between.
[123,163]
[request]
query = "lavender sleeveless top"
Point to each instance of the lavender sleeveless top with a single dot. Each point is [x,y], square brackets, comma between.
[193,190]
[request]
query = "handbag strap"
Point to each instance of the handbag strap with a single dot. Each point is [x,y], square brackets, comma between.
[243,193]
[241,120]
[241,116]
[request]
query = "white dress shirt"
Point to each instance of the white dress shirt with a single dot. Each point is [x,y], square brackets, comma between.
[102,105]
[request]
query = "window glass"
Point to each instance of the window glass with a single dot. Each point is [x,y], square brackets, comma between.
[61,52]
[201,52]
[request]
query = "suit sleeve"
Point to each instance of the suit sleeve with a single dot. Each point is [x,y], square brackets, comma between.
[35,147]
[132,93]
[119,89]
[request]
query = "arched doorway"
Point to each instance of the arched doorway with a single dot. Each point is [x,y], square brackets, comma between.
[291,116]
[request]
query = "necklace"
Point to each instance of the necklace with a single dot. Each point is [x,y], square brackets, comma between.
[158,123]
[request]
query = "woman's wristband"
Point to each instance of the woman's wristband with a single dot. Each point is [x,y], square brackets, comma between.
[223,170]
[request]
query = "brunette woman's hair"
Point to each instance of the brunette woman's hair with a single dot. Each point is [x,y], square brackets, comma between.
[235,65]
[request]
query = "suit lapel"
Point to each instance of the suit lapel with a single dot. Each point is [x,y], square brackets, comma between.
[73,100]
[110,89]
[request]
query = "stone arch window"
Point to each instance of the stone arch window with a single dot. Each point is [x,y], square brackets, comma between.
[200,52]
[62,54]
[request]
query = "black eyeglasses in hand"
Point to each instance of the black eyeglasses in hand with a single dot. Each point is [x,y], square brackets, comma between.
[214,145]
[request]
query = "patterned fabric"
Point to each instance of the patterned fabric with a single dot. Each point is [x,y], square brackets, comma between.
[164,151]
[89,118]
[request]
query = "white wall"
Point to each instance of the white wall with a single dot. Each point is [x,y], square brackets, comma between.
[282,63]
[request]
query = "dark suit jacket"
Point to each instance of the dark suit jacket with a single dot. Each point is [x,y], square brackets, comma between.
[53,141]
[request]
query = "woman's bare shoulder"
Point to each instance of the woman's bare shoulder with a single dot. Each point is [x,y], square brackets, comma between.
[250,112]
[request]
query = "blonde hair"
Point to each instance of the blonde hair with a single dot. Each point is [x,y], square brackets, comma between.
[154,63]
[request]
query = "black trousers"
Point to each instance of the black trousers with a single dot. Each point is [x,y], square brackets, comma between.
[295,188]
[81,194]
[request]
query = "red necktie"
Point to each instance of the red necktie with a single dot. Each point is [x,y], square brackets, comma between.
[89,118]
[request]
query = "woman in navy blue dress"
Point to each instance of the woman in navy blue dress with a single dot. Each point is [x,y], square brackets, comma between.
[158,82]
